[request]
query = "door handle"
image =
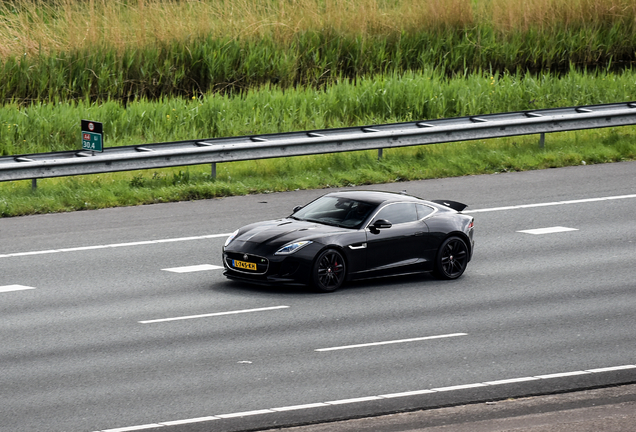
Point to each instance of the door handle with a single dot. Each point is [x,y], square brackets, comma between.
[358,246]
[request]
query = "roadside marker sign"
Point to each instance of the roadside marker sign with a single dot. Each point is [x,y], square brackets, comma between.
[92,136]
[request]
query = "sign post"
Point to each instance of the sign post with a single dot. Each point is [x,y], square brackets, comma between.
[92,136]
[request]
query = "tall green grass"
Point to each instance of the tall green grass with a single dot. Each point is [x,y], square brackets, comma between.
[310,59]
[164,70]
[55,126]
[380,99]
[124,51]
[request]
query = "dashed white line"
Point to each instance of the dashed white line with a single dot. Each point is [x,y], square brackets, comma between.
[147,242]
[391,342]
[548,230]
[370,398]
[212,314]
[10,288]
[194,268]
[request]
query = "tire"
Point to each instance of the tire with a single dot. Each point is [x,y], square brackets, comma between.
[329,271]
[452,258]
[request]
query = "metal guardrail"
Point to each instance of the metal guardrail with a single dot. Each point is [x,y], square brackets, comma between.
[212,151]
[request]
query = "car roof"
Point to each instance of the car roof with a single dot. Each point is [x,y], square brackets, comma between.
[375,197]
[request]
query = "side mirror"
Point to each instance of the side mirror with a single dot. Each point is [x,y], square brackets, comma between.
[380,224]
[297,208]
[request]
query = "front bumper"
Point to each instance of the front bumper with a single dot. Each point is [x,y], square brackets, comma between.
[270,270]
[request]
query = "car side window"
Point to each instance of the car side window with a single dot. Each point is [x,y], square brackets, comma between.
[423,211]
[398,213]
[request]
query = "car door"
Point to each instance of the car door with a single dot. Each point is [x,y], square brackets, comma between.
[399,247]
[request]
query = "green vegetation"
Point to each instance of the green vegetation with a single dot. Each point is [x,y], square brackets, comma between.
[50,126]
[197,67]
[119,50]
[335,170]
[167,70]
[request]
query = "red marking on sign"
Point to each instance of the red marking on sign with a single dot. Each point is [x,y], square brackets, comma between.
[91,126]
[87,137]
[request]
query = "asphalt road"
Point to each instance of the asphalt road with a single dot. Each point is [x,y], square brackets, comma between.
[608,409]
[119,319]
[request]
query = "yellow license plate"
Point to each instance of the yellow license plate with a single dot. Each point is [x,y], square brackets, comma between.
[244,265]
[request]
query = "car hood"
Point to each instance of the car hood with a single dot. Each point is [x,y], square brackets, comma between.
[279,232]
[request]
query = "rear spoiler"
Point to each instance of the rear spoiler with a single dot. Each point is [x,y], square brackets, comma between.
[457,206]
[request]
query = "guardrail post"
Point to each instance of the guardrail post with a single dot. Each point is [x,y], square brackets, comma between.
[34,184]
[213,173]
[380,153]
[542,140]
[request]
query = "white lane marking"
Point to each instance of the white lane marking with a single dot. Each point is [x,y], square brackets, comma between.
[212,314]
[459,387]
[114,245]
[194,268]
[563,374]
[548,230]
[135,428]
[391,342]
[188,421]
[524,206]
[408,393]
[244,414]
[610,369]
[299,407]
[10,288]
[83,248]
[511,380]
[371,398]
[353,400]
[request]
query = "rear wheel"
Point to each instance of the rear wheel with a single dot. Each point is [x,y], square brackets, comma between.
[452,258]
[329,271]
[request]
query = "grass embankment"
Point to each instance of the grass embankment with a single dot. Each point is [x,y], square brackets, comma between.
[47,126]
[70,49]
[370,101]
[157,70]
[337,170]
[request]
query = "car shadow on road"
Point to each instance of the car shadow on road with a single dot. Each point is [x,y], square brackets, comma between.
[234,287]
[362,286]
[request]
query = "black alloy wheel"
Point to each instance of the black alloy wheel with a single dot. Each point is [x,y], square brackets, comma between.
[452,258]
[329,271]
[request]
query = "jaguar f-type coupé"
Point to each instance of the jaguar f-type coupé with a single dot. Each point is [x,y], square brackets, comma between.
[350,235]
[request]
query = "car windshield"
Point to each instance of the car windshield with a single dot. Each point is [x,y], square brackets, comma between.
[337,211]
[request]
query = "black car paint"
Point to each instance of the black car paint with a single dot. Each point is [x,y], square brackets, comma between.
[401,249]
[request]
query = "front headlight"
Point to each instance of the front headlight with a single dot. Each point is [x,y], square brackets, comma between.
[292,247]
[230,238]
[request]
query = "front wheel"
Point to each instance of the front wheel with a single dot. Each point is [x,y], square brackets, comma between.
[329,271]
[452,258]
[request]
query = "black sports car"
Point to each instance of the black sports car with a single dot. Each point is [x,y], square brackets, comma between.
[343,236]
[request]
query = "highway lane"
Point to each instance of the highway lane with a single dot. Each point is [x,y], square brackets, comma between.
[79,355]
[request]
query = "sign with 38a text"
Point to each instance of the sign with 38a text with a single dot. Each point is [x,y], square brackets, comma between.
[92,136]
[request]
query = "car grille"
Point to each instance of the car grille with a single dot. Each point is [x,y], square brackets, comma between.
[246,263]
